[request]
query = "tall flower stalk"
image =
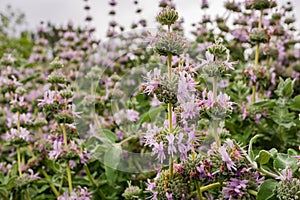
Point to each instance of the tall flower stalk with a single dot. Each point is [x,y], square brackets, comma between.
[215,121]
[257,57]
[258,36]
[170,122]
[216,64]
[168,17]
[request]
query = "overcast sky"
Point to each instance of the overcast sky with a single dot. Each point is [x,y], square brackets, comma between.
[62,11]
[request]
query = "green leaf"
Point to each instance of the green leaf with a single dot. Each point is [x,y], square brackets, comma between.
[109,135]
[266,103]
[292,152]
[273,152]
[285,88]
[283,160]
[250,149]
[263,157]
[150,114]
[111,162]
[3,192]
[266,190]
[295,104]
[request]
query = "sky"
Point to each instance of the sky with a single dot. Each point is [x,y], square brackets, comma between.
[62,11]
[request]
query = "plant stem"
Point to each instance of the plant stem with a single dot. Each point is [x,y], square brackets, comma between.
[27,195]
[170,117]
[198,190]
[254,93]
[215,89]
[69,178]
[260,18]
[67,163]
[256,59]
[210,186]
[18,148]
[215,132]
[171,167]
[65,134]
[215,122]
[19,161]
[50,183]
[128,139]
[18,125]
[267,173]
[253,192]
[88,173]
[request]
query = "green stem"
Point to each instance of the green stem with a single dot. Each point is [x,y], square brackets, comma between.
[27,195]
[18,148]
[254,93]
[215,89]
[256,55]
[215,122]
[88,173]
[209,187]
[267,173]
[198,190]
[128,139]
[215,132]
[54,190]
[170,66]
[253,192]
[61,183]
[65,134]
[67,163]
[171,167]
[18,125]
[19,161]
[69,178]
[256,59]
[170,117]
[260,18]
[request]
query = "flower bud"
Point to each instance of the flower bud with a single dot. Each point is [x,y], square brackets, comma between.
[64,117]
[278,30]
[166,91]
[20,90]
[115,77]
[175,187]
[39,122]
[56,78]
[218,49]
[167,16]
[170,44]
[56,64]
[288,189]
[289,20]
[276,16]
[66,94]
[259,35]
[231,5]
[260,4]
[132,192]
